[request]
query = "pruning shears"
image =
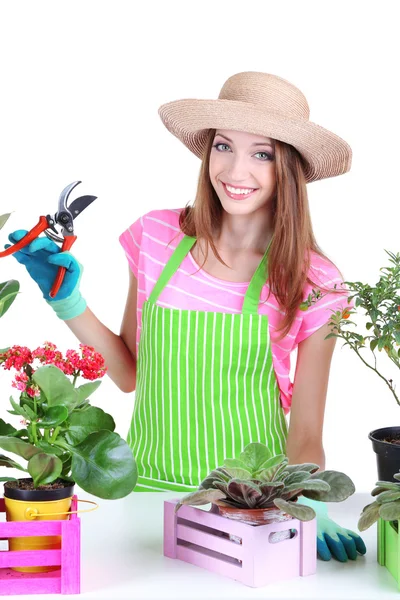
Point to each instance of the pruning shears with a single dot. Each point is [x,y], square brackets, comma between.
[64,217]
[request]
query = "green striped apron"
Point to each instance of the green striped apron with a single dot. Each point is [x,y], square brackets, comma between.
[206,387]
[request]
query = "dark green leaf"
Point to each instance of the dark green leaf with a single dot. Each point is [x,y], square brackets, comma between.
[5,461]
[17,446]
[8,292]
[103,465]
[53,416]
[80,425]
[6,428]
[44,468]
[86,389]
[56,386]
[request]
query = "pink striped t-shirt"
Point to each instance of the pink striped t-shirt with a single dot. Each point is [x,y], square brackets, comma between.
[148,246]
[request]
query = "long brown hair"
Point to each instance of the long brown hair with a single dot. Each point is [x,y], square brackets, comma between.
[293,238]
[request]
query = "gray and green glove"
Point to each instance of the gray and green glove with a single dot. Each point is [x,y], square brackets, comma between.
[332,539]
[42,258]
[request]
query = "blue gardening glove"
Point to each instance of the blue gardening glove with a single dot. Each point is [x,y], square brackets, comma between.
[42,258]
[332,539]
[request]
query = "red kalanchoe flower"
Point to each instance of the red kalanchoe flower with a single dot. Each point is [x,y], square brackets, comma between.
[92,363]
[48,355]
[33,391]
[16,357]
[20,381]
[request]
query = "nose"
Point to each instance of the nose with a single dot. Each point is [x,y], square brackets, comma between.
[238,169]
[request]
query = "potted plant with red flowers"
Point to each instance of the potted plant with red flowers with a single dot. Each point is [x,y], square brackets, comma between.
[63,439]
[380,306]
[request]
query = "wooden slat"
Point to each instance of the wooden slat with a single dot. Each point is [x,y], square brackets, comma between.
[210,541]
[30,558]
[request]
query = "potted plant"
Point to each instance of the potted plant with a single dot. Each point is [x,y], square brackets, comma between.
[63,439]
[8,289]
[256,532]
[259,488]
[386,511]
[381,309]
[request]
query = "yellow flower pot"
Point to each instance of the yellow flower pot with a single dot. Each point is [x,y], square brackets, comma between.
[34,506]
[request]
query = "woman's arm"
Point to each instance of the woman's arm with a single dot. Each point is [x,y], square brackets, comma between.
[119,351]
[304,442]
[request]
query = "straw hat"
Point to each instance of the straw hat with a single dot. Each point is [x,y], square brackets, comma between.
[265,105]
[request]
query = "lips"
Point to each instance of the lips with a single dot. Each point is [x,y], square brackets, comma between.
[239,196]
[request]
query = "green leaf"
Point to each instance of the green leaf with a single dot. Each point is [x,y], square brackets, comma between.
[86,389]
[388,485]
[44,468]
[239,473]
[80,425]
[341,487]
[397,476]
[373,344]
[390,511]
[298,478]
[5,461]
[274,462]
[56,386]
[200,497]
[218,474]
[310,467]
[254,456]
[234,463]
[316,485]
[3,219]
[6,428]
[17,446]
[18,410]
[8,292]
[388,496]
[298,511]
[369,516]
[53,416]
[49,448]
[103,465]
[8,479]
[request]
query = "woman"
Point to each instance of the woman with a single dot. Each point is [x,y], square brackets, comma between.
[212,312]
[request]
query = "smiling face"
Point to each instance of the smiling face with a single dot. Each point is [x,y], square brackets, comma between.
[242,171]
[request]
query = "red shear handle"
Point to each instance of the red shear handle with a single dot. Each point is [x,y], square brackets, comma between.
[67,245]
[28,238]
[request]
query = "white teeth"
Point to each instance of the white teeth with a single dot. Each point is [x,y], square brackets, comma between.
[243,191]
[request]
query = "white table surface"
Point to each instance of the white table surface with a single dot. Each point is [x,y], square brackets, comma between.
[122,557]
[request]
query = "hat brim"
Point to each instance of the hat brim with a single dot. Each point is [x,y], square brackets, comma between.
[325,154]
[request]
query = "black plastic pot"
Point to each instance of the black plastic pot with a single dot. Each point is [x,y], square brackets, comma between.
[387,454]
[39,495]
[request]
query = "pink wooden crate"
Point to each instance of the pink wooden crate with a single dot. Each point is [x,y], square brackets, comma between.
[65,580]
[202,538]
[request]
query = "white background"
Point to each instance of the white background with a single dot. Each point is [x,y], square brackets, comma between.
[81,82]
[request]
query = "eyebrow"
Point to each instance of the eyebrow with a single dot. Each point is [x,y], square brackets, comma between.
[255,144]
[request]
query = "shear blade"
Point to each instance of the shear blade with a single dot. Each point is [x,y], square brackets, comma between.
[78,205]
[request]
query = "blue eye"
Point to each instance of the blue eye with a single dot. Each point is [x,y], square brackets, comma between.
[218,147]
[266,156]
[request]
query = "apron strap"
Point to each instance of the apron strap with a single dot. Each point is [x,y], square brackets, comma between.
[252,296]
[253,293]
[172,266]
